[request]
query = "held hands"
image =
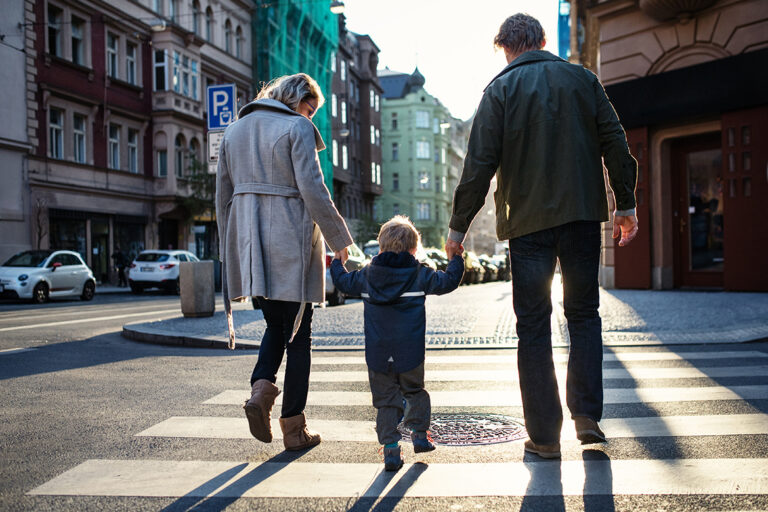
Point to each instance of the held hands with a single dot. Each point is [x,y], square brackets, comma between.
[342,255]
[452,248]
[624,227]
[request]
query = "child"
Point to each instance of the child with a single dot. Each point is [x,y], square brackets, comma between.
[393,288]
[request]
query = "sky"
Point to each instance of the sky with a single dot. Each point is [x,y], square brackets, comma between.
[451,41]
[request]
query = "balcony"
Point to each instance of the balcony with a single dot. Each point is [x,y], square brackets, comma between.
[372,188]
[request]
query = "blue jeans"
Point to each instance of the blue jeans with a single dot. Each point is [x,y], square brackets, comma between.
[533,258]
[280,316]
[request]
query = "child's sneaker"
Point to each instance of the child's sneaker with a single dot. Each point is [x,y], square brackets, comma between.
[422,442]
[393,459]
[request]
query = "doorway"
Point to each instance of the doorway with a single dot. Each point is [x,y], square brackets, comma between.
[698,214]
[99,250]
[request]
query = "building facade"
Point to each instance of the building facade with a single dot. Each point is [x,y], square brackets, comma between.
[355,148]
[417,176]
[688,81]
[116,120]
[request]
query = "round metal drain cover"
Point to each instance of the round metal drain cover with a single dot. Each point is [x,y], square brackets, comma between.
[471,429]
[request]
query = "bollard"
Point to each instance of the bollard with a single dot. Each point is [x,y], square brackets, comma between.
[197,288]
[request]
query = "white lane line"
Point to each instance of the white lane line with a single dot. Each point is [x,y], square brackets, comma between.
[9,351]
[81,311]
[216,427]
[96,319]
[512,359]
[506,398]
[511,374]
[166,478]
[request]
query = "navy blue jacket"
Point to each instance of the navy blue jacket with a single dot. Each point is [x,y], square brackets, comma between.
[393,288]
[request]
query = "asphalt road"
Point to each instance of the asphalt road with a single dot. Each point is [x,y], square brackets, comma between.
[76,395]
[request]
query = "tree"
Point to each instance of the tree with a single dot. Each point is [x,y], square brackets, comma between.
[41,219]
[202,201]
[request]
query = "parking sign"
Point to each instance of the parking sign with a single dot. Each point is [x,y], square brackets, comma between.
[221,106]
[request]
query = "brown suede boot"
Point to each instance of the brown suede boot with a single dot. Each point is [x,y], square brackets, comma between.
[258,409]
[295,433]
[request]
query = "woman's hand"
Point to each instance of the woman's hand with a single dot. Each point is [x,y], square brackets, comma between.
[342,255]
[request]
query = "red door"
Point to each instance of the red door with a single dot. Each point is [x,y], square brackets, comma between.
[633,262]
[745,180]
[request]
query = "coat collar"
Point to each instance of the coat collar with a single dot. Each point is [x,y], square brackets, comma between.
[270,104]
[526,58]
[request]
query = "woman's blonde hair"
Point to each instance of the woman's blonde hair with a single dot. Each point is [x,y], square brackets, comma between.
[398,234]
[292,90]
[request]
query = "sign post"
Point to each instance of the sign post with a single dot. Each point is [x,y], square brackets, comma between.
[222,102]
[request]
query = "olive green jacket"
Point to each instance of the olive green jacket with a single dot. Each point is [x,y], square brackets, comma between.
[542,127]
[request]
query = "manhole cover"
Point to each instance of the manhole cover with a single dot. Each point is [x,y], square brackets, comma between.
[471,429]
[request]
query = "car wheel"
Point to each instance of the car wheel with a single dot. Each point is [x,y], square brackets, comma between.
[137,289]
[89,290]
[174,288]
[337,298]
[40,293]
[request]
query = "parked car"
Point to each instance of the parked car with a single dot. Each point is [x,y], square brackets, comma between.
[439,257]
[44,274]
[491,270]
[473,270]
[157,269]
[356,261]
[371,248]
[502,262]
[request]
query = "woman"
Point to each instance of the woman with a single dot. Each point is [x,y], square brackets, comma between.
[272,206]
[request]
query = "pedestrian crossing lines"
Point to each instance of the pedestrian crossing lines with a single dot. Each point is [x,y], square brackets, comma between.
[703,377]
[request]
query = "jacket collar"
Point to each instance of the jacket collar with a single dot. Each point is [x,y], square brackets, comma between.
[526,58]
[270,104]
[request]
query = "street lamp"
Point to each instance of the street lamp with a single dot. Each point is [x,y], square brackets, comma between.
[337,7]
[157,25]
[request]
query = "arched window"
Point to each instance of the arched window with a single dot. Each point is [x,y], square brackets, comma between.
[209,24]
[239,43]
[196,12]
[194,155]
[161,151]
[228,36]
[180,147]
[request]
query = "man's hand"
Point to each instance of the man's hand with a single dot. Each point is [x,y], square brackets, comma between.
[452,248]
[626,227]
[342,255]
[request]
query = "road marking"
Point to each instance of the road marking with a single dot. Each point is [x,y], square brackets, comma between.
[96,319]
[159,478]
[559,357]
[216,427]
[496,398]
[510,375]
[9,351]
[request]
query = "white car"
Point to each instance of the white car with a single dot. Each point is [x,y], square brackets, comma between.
[157,269]
[43,274]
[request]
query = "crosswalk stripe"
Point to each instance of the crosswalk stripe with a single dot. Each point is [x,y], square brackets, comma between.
[216,427]
[167,478]
[559,357]
[505,398]
[510,375]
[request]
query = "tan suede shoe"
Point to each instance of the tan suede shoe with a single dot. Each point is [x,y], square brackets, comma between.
[545,451]
[258,409]
[588,431]
[296,436]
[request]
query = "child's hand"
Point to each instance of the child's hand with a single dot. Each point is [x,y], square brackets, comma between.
[342,255]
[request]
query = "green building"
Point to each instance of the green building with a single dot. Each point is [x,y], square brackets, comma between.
[418,179]
[298,36]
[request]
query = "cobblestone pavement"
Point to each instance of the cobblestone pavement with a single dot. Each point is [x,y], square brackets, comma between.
[482,315]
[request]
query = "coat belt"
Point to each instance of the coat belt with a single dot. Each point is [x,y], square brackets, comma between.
[266,189]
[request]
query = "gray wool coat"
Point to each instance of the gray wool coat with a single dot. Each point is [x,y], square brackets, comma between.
[273,208]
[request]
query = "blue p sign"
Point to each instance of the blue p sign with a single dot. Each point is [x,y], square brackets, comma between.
[221,106]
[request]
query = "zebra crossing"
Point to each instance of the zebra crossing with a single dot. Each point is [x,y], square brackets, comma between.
[658,380]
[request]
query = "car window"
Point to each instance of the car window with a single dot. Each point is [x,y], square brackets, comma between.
[28,259]
[58,258]
[181,257]
[152,256]
[71,259]
[192,257]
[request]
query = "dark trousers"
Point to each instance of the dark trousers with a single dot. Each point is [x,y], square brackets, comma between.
[533,258]
[280,316]
[388,390]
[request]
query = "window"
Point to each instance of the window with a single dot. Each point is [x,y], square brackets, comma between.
[56,133]
[395,209]
[162,163]
[133,150]
[378,137]
[174,10]
[372,101]
[335,146]
[442,155]
[344,157]
[333,62]
[435,125]
[239,43]
[78,137]
[194,154]
[113,147]
[373,135]
[422,211]
[437,155]
[343,73]
[395,151]
[111,55]
[395,181]
[422,149]
[228,36]
[54,31]
[196,17]
[343,112]
[193,76]
[333,105]
[394,120]
[78,45]
[185,75]
[373,172]
[377,103]
[445,183]
[208,24]
[423,180]
[422,119]
[179,148]
[378,174]
[176,72]
[130,63]
[158,5]
[161,71]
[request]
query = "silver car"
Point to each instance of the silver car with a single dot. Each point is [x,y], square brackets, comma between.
[43,274]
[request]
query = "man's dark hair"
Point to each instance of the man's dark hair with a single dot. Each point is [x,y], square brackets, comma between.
[520,33]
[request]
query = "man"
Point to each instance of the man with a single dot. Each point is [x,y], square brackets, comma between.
[542,127]
[119,259]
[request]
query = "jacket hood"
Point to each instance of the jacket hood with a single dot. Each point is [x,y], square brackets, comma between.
[526,58]
[279,106]
[390,275]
